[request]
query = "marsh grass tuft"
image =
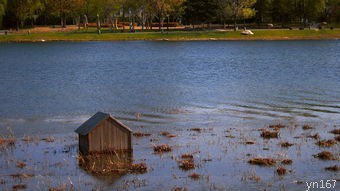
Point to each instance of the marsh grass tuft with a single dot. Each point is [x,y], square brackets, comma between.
[335,131]
[287,161]
[281,171]
[141,134]
[22,175]
[307,127]
[167,134]
[19,187]
[337,138]
[187,156]
[49,139]
[194,176]
[315,136]
[179,189]
[197,129]
[266,134]
[162,148]
[326,143]
[262,161]
[138,168]
[6,142]
[334,168]
[277,126]
[325,155]
[187,164]
[286,144]
[21,164]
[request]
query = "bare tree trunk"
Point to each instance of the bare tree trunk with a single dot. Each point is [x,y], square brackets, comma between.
[143,20]
[18,25]
[116,22]
[167,27]
[112,23]
[98,24]
[160,22]
[78,22]
[150,23]
[123,20]
[63,20]
[85,22]
[235,24]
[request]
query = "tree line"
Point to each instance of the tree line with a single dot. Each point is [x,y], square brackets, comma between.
[27,13]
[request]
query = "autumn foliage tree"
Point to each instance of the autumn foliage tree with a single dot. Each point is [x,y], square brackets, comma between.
[3,5]
[64,8]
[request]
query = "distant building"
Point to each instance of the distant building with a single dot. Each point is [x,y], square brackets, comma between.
[103,133]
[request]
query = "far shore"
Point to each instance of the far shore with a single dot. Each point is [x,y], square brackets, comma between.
[177,35]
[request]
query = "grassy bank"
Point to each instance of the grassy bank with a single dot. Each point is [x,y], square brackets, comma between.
[173,35]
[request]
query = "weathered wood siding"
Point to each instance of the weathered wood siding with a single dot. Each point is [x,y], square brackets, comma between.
[108,136]
[83,143]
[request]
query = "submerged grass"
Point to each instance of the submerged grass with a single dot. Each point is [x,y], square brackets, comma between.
[269,134]
[326,143]
[162,148]
[334,168]
[281,171]
[194,176]
[262,161]
[287,161]
[187,164]
[286,144]
[325,155]
[138,168]
[336,131]
[141,134]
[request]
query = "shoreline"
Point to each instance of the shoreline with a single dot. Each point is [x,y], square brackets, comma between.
[260,35]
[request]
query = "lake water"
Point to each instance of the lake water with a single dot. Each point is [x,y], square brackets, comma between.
[64,83]
[227,89]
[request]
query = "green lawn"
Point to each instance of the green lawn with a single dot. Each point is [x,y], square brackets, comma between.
[174,35]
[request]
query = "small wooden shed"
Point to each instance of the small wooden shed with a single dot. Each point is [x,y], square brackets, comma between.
[103,133]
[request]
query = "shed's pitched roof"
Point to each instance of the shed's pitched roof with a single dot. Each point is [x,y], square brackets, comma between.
[91,123]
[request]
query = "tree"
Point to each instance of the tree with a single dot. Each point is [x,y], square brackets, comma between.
[23,10]
[314,10]
[200,11]
[64,8]
[263,10]
[332,11]
[308,11]
[161,7]
[240,9]
[177,9]
[283,11]
[3,5]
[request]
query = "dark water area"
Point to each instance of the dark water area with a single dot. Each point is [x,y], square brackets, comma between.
[167,82]
[227,90]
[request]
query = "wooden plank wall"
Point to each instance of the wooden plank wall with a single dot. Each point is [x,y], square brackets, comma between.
[109,136]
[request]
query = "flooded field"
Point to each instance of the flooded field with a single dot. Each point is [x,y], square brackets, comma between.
[228,115]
